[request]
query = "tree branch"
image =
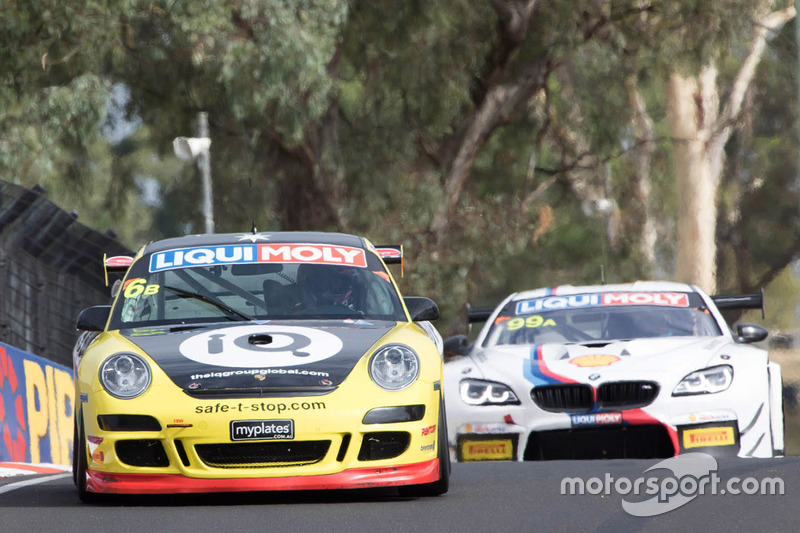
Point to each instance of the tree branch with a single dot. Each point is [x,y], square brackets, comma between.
[499,103]
[744,77]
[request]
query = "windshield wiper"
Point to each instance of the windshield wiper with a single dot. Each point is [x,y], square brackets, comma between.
[216,303]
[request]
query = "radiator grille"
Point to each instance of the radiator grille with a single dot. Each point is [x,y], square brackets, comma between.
[563,398]
[620,442]
[262,454]
[626,394]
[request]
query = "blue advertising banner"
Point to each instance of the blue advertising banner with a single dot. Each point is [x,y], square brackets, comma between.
[37,399]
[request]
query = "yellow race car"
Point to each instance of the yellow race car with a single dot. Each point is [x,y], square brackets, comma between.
[257,362]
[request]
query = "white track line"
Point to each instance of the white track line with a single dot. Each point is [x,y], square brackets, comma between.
[20,484]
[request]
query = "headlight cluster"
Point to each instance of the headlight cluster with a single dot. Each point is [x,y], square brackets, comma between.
[480,392]
[394,367]
[706,381]
[125,375]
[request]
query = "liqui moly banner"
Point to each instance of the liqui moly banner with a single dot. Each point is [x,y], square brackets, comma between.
[257,253]
[549,303]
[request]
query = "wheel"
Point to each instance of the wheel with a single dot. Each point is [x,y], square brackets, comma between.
[441,486]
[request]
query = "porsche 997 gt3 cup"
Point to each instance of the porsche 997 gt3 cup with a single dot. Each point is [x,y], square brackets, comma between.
[264,361]
[641,370]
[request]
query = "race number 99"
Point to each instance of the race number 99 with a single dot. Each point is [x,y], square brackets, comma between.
[533,321]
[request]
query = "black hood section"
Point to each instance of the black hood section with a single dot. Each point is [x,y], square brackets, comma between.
[259,358]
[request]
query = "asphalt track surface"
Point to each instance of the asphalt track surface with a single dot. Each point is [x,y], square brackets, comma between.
[490,497]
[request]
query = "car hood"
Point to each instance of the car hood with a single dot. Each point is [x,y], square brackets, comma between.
[276,355]
[661,359]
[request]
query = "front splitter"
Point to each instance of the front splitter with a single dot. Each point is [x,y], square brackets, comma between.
[356,478]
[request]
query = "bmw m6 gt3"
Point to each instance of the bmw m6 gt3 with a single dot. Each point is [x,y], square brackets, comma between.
[642,370]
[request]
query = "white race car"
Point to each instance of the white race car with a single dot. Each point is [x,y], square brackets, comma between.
[643,370]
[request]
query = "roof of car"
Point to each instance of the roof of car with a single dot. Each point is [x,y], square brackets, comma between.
[216,239]
[644,286]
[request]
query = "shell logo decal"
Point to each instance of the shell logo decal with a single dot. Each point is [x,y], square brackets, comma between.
[594,360]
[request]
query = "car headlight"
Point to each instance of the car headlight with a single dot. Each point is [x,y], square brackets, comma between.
[394,367]
[125,375]
[706,381]
[480,392]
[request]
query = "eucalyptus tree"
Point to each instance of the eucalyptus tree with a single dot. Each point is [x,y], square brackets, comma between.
[507,143]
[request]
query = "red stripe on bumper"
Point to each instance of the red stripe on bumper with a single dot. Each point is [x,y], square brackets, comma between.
[357,478]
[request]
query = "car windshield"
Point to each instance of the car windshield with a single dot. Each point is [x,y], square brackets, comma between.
[255,291]
[601,317]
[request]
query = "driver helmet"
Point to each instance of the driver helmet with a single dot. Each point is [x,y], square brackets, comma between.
[326,284]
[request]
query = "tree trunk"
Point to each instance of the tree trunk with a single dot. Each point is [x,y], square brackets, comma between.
[699,132]
[642,126]
[696,184]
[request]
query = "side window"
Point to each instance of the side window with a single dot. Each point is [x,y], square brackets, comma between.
[139,302]
[379,295]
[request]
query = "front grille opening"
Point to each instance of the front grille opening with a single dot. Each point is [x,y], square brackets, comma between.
[379,445]
[263,454]
[128,423]
[620,442]
[626,394]
[182,453]
[343,447]
[563,398]
[142,452]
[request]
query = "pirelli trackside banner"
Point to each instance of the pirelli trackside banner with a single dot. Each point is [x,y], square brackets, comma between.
[36,408]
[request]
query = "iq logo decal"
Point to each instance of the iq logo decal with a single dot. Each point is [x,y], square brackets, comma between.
[260,346]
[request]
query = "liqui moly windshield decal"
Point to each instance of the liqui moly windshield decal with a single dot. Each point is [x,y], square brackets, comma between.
[575,301]
[229,254]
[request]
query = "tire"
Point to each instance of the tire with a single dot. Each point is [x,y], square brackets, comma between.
[75,445]
[436,488]
[781,453]
[82,465]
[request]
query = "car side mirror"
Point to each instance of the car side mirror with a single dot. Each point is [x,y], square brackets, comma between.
[115,288]
[93,318]
[421,308]
[457,344]
[751,333]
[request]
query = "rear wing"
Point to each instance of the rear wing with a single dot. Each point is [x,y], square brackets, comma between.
[392,254]
[117,263]
[740,301]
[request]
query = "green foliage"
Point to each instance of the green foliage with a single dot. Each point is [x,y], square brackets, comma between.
[347,115]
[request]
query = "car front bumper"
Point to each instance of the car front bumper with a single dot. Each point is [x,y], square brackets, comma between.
[170,442]
[631,433]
